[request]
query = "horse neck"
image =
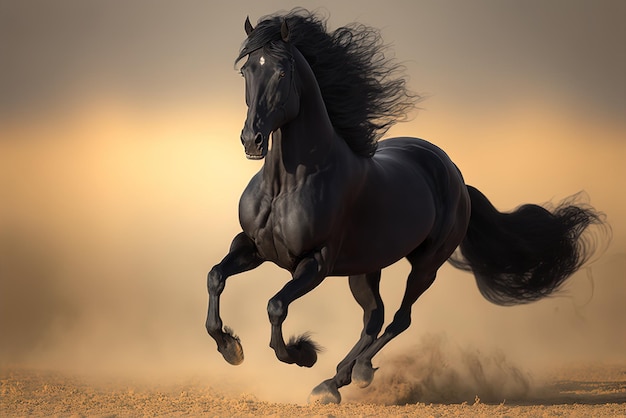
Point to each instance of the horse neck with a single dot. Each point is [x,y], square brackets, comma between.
[307,142]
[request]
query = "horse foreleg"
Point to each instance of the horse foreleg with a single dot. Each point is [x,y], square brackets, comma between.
[365,289]
[417,283]
[301,350]
[242,257]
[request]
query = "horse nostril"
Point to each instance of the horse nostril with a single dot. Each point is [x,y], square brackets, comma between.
[258,139]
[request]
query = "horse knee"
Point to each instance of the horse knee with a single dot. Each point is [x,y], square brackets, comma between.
[215,282]
[276,311]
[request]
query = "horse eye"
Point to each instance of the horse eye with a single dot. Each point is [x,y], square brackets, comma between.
[281,74]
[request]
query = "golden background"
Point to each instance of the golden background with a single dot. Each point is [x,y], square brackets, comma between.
[121,168]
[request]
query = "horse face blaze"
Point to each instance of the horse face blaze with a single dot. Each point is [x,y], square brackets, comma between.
[269,99]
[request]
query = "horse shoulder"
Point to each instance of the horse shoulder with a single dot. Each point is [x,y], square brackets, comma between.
[306,217]
[254,207]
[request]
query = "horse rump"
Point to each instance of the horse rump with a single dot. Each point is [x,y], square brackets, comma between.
[525,255]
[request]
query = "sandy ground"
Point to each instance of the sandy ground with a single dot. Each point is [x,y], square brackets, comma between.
[583,391]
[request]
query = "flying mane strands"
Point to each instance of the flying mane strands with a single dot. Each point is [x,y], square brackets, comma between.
[364,91]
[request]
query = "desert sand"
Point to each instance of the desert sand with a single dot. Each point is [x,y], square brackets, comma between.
[575,391]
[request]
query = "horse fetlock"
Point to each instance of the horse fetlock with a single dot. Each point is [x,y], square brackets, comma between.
[284,356]
[213,328]
[214,324]
[302,357]
[343,376]
[303,350]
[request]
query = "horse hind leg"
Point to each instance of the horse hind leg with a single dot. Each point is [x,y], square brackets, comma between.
[365,289]
[418,282]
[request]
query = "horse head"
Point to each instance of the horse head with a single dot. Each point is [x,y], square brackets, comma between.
[271,94]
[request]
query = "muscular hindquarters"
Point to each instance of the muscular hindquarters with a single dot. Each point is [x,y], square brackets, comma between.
[413,196]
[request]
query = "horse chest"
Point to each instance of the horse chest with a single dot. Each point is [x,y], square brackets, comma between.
[284,227]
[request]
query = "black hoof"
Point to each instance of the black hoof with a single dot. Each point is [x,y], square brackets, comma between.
[325,393]
[303,350]
[231,349]
[363,373]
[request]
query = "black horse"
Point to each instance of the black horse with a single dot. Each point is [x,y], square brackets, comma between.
[332,201]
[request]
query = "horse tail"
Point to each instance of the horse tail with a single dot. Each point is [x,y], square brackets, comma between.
[524,255]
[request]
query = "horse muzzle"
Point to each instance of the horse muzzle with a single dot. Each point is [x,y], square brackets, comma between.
[255,147]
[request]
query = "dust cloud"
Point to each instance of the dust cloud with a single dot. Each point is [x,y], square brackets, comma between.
[436,371]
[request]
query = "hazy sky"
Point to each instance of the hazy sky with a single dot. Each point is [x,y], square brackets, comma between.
[121,169]
[147,50]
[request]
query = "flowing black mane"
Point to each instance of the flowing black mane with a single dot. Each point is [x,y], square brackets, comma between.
[364,91]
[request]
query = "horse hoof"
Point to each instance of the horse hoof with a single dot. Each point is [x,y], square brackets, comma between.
[325,393]
[231,350]
[303,350]
[363,373]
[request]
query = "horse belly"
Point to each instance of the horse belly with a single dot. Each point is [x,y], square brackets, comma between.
[387,230]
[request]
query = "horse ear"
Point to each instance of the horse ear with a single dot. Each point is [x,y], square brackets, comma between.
[248,26]
[284,31]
